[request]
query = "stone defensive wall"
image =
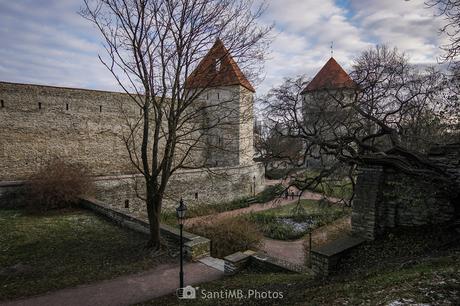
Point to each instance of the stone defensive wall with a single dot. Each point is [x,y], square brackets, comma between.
[201,186]
[38,123]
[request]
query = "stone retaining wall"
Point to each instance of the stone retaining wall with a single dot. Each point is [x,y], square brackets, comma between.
[196,246]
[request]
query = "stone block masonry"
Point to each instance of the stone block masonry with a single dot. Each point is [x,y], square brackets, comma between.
[196,187]
[386,198]
[196,247]
[83,126]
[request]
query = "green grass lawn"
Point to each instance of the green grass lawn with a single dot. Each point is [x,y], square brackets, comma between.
[311,213]
[63,249]
[204,209]
[381,272]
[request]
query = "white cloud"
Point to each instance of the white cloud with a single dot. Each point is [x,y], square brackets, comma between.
[47,42]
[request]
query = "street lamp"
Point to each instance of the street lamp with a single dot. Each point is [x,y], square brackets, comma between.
[254,178]
[180,213]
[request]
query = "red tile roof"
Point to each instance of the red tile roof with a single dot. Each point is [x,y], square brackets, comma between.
[330,76]
[207,75]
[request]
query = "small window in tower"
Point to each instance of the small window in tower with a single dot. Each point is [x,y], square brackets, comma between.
[39,105]
[67,106]
[218,64]
[196,195]
[100,108]
[218,96]
[126,203]
[207,96]
[2,103]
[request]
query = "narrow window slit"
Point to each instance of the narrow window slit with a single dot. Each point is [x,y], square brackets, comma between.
[39,105]
[67,106]
[2,103]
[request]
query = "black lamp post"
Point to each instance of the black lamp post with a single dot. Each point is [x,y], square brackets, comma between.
[254,178]
[180,213]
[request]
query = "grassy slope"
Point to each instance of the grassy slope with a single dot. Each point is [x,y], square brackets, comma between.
[416,267]
[66,249]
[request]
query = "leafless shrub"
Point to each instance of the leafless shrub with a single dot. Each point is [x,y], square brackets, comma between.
[229,235]
[59,184]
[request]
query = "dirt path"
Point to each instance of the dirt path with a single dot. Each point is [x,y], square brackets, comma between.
[295,251]
[125,290]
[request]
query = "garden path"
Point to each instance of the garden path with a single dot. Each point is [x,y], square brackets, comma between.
[278,202]
[125,290]
[295,251]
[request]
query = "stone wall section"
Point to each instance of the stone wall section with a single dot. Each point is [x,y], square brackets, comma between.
[196,187]
[386,198]
[38,123]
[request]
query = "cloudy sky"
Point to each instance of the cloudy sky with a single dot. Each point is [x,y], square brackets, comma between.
[47,42]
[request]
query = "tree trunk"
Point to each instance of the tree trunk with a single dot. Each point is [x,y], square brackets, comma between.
[154,202]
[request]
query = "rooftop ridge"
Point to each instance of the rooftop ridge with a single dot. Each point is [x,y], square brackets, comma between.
[209,74]
[330,76]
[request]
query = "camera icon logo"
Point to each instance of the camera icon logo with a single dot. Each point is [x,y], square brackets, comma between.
[186,293]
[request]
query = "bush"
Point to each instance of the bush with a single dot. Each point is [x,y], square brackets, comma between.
[229,235]
[269,193]
[59,184]
[12,198]
[276,174]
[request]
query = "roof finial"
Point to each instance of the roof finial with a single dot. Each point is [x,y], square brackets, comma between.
[332,48]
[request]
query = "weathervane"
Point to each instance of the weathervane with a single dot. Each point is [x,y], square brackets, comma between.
[332,48]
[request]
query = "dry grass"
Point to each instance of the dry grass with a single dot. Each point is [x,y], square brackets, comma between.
[229,235]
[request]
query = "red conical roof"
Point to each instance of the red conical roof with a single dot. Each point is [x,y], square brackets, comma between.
[331,76]
[210,74]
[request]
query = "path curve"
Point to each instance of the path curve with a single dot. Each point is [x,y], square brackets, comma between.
[295,251]
[278,202]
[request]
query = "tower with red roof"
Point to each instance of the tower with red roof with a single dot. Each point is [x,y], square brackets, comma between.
[322,94]
[223,87]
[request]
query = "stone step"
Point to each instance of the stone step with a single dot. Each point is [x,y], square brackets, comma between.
[216,263]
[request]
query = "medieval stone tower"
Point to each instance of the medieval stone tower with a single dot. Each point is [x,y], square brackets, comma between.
[229,96]
[323,114]
[330,82]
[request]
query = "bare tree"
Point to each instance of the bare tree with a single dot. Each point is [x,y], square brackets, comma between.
[377,123]
[450,11]
[153,46]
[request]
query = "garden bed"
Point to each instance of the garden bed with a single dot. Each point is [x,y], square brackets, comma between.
[296,220]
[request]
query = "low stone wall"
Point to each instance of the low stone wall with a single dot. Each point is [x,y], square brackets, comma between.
[238,261]
[325,259]
[196,246]
[201,186]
